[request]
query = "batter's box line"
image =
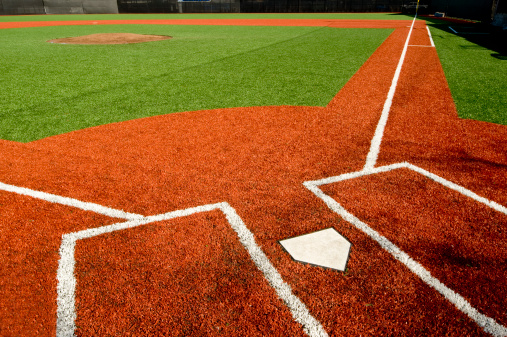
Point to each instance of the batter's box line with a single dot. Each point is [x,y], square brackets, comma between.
[488,324]
[66,287]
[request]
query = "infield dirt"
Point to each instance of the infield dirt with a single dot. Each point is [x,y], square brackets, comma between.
[110,38]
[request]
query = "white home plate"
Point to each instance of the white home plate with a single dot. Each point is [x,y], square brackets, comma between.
[325,248]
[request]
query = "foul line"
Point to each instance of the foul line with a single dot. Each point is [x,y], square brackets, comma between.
[371,158]
[66,287]
[487,323]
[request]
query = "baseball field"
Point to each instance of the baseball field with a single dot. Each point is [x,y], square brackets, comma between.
[145,188]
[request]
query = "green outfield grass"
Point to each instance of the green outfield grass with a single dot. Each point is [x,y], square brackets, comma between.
[475,66]
[50,89]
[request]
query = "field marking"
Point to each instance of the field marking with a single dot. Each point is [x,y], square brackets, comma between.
[431,38]
[66,313]
[311,185]
[57,199]
[488,324]
[371,158]
[66,287]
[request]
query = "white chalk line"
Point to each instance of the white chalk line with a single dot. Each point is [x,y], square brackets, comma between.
[66,287]
[488,324]
[85,206]
[66,314]
[431,37]
[371,158]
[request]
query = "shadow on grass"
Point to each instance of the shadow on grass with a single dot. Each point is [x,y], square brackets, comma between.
[481,34]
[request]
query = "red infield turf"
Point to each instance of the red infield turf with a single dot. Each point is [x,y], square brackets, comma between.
[192,276]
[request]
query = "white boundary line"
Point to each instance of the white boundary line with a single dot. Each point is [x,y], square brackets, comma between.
[66,287]
[431,38]
[487,323]
[66,314]
[371,158]
[85,206]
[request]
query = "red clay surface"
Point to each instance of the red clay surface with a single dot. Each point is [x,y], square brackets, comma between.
[172,276]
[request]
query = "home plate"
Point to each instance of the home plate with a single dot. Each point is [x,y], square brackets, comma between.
[324,248]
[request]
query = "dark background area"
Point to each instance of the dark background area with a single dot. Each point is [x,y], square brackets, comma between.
[467,9]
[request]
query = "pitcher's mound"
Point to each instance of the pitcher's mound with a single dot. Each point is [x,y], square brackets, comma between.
[110,38]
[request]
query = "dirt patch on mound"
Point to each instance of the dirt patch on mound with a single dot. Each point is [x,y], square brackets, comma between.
[110,38]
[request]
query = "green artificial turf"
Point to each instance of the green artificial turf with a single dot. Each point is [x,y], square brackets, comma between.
[337,16]
[50,89]
[475,66]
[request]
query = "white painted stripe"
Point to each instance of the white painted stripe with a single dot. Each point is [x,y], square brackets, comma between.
[357,174]
[455,32]
[66,289]
[487,323]
[298,309]
[91,232]
[431,38]
[371,158]
[346,176]
[85,206]
[66,312]
[497,207]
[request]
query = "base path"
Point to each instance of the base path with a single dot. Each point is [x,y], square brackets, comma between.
[192,276]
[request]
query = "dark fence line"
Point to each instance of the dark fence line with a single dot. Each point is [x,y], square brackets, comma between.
[24,7]
[259,6]
[467,9]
